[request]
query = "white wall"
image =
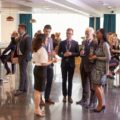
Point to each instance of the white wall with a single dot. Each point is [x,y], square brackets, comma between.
[8,27]
[118,25]
[60,22]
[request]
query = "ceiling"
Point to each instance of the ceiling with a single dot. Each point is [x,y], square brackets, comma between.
[86,7]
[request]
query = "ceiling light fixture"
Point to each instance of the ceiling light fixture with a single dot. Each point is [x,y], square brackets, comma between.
[109,7]
[32,21]
[9,18]
[105,4]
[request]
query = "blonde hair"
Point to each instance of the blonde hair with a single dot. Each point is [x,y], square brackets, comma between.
[113,39]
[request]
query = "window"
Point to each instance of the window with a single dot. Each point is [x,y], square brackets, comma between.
[60,22]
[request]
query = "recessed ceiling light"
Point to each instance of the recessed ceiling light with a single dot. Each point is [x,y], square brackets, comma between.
[109,7]
[105,4]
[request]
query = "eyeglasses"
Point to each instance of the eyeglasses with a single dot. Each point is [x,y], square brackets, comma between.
[69,33]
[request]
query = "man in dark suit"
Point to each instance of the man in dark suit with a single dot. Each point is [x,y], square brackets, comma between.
[24,56]
[68,50]
[89,46]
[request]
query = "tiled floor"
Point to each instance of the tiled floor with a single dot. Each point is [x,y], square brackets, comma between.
[21,108]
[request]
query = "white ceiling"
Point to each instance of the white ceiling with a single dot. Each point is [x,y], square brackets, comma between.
[86,7]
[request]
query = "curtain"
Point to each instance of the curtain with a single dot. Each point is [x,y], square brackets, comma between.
[94,22]
[91,22]
[97,23]
[25,19]
[110,22]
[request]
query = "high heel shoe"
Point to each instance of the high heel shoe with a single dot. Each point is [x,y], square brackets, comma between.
[40,114]
[98,111]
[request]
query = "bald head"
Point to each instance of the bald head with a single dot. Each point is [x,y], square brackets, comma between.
[89,32]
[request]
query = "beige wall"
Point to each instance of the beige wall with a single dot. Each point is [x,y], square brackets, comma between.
[8,27]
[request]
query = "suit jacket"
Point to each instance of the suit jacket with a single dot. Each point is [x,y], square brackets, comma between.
[86,64]
[25,46]
[74,49]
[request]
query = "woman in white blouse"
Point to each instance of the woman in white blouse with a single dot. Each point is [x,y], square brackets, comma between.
[40,59]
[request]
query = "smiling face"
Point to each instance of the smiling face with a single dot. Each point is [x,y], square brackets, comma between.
[89,32]
[99,35]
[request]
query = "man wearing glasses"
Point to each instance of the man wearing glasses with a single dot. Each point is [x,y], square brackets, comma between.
[68,50]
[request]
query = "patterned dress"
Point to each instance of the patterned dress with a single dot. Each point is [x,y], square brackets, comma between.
[101,66]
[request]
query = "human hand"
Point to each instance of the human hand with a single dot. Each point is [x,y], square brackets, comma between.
[82,52]
[93,57]
[66,54]
[55,60]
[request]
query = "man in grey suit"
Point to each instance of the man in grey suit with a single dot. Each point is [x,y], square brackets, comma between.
[49,47]
[89,46]
[24,56]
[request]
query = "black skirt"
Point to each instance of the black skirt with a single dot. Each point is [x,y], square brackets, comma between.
[40,76]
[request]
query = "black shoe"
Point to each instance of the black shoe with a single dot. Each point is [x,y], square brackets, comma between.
[8,73]
[50,102]
[18,92]
[98,111]
[64,99]
[91,106]
[70,100]
[82,103]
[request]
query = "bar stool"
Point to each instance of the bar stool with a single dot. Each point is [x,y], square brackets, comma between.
[7,89]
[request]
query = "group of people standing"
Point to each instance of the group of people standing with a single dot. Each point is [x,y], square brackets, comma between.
[95,54]
[94,68]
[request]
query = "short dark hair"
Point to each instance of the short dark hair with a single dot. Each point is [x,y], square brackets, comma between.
[23,26]
[70,29]
[47,27]
[37,42]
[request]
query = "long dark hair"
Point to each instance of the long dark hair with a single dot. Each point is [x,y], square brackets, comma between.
[103,32]
[37,42]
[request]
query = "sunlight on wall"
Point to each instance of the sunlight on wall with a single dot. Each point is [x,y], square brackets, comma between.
[60,22]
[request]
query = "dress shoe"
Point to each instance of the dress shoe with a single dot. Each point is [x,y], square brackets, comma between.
[91,106]
[18,92]
[70,100]
[8,73]
[64,99]
[49,101]
[101,110]
[80,102]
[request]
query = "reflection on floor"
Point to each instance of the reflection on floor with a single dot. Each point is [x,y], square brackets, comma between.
[21,108]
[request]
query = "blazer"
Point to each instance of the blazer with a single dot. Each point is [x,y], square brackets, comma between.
[86,64]
[74,49]
[25,46]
